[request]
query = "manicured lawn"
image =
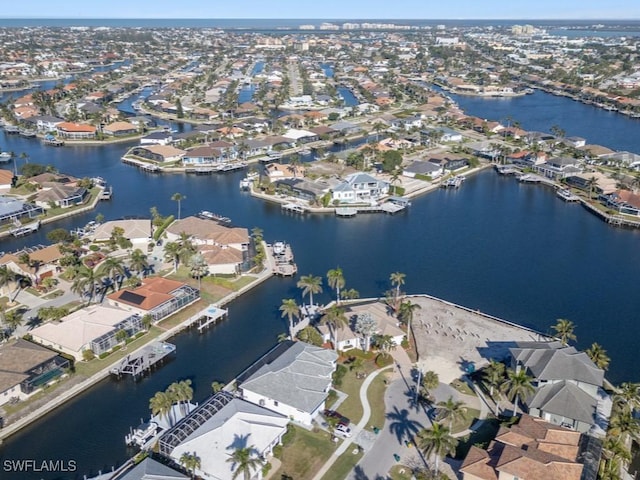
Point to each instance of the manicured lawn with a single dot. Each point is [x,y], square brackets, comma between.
[400,472]
[462,387]
[465,422]
[306,454]
[351,407]
[375,394]
[482,436]
[344,464]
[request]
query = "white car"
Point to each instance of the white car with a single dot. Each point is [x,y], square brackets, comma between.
[343,431]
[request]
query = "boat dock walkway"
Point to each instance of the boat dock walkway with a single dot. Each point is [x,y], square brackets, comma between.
[386,207]
[280,259]
[208,316]
[142,360]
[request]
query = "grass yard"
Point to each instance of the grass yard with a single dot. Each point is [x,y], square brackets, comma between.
[375,394]
[462,387]
[400,472]
[305,453]
[343,465]
[482,436]
[470,414]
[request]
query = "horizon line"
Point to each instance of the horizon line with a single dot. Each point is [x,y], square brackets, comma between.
[322,18]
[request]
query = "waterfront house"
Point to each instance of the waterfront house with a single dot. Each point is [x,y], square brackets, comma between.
[137,231]
[624,201]
[359,187]
[60,195]
[421,169]
[558,168]
[205,155]
[92,328]
[604,185]
[219,426]
[76,131]
[158,153]
[300,136]
[157,138]
[12,209]
[203,231]
[303,188]
[346,128]
[147,469]
[293,379]
[568,385]
[449,163]
[120,129]
[532,449]
[439,134]
[277,171]
[44,123]
[157,296]
[26,367]
[255,147]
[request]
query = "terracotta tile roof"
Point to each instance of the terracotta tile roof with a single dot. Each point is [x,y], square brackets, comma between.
[76,127]
[220,256]
[207,230]
[6,176]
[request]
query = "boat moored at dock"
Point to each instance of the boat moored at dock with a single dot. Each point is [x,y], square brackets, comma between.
[566,195]
[22,230]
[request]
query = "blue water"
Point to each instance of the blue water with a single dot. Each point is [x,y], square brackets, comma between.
[511,250]
[257,68]
[327,69]
[348,97]
[246,93]
[540,111]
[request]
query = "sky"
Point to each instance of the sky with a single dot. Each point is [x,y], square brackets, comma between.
[339,9]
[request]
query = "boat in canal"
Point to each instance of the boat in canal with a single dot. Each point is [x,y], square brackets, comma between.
[22,230]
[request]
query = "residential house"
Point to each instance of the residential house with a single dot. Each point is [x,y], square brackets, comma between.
[624,201]
[45,123]
[360,187]
[157,296]
[76,131]
[25,368]
[532,449]
[449,163]
[42,262]
[407,123]
[346,128]
[6,180]
[300,136]
[203,156]
[558,167]
[60,195]
[293,379]
[568,385]
[604,185]
[158,153]
[277,171]
[421,169]
[147,469]
[13,209]
[303,188]
[157,138]
[138,231]
[216,428]
[120,129]
[347,337]
[92,328]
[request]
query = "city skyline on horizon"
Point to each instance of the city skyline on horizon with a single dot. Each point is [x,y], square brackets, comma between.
[329,9]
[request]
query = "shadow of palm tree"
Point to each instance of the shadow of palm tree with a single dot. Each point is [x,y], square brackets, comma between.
[401,425]
[358,473]
[239,441]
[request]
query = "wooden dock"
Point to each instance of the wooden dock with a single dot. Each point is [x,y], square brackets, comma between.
[280,258]
[142,361]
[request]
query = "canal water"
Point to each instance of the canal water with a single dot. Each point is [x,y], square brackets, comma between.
[510,250]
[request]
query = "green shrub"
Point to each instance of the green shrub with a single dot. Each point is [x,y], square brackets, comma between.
[94,248]
[104,355]
[425,178]
[383,359]
[339,374]
[158,233]
[116,348]
[266,468]
[289,436]
[277,451]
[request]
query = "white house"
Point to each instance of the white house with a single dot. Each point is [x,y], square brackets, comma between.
[360,188]
[214,430]
[293,379]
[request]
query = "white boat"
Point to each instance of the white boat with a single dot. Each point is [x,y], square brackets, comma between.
[245,184]
[279,248]
[566,195]
[5,157]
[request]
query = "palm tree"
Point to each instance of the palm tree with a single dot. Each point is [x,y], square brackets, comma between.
[517,385]
[624,424]
[493,375]
[111,268]
[184,392]
[244,462]
[84,282]
[160,404]
[138,261]
[13,319]
[385,344]
[451,409]
[217,386]
[430,380]
[592,183]
[564,330]
[6,276]
[335,279]
[436,441]
[614,452]
[198,267]
[406,313]
[310,285]
[334,318]
[290,309]
[172,253]
[178,197]
[366,326]
[191,462]
[397,280]
[598,355]
[627,396]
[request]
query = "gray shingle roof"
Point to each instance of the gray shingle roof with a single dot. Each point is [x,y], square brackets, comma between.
[565,399]
[299,376]
[549,363]
[150,469]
